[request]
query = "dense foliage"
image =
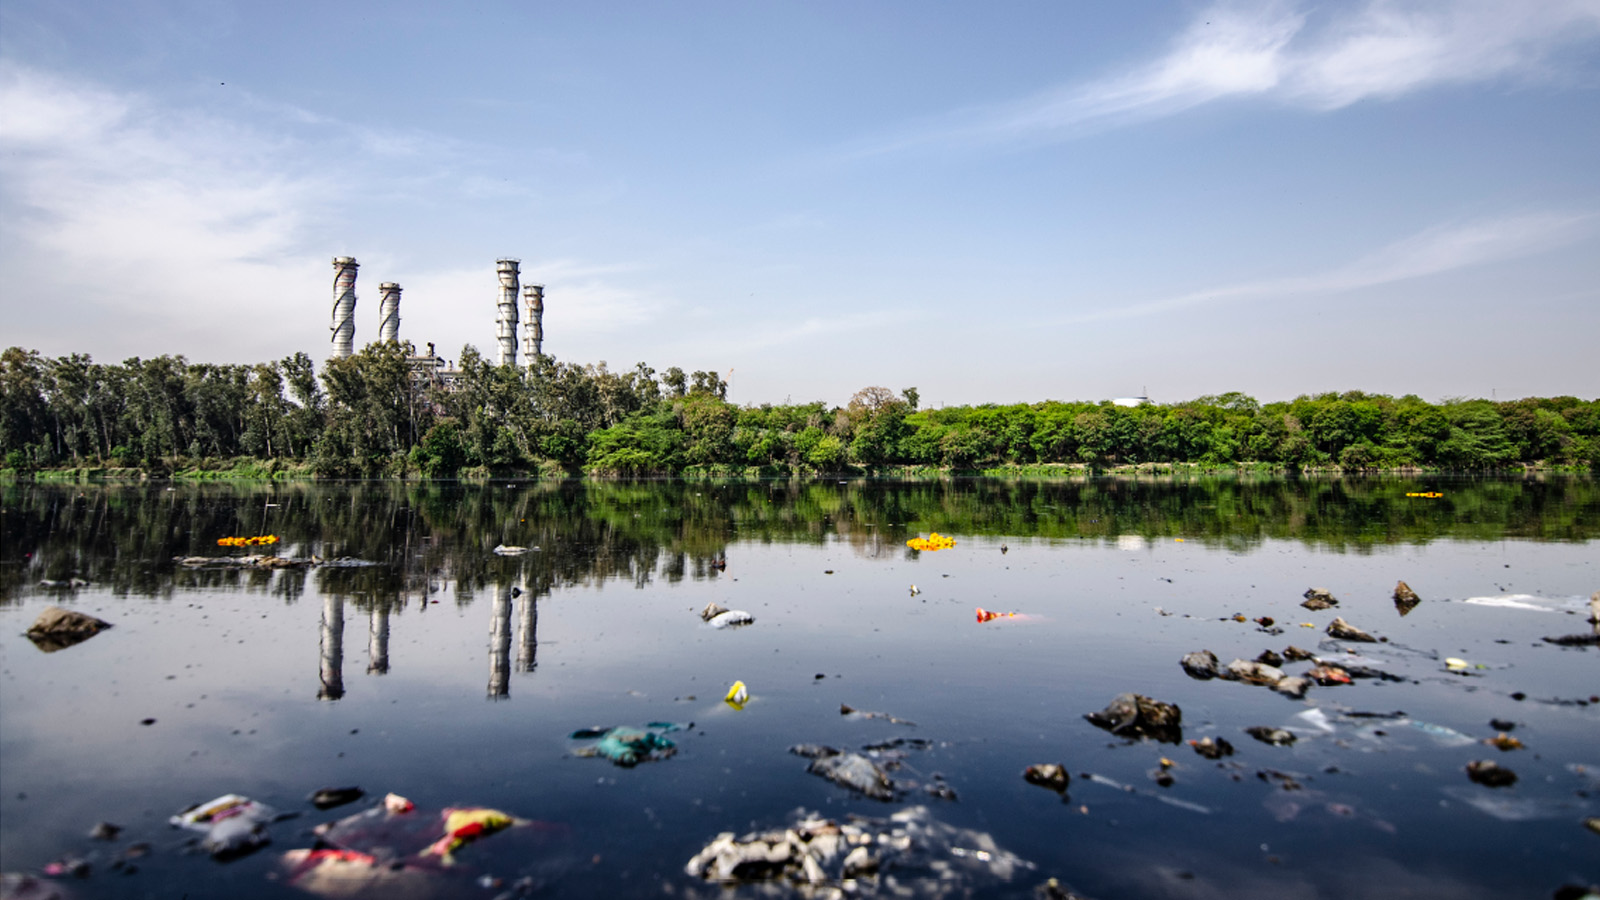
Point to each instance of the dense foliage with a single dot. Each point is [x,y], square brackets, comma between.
[375,414]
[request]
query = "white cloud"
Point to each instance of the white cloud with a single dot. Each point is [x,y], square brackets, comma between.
[135,228]
[1278,50]
[141,225]
[1434,251]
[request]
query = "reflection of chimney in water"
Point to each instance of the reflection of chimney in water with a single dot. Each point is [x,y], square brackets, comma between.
[332,649]
[527,635]
[378,641]
[500,646]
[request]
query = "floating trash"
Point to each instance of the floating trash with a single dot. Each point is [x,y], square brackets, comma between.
[814,856]
[1280,737]
[934,541]
[738,695]
[845,710]
[720,617]
[1137,716]
[627,747]
[1344,631]
[1490,773]
[1212,747]
[856,772]
[1048,775]
[258,541]
[328,798]
[233,825]
[1405,599]
[1510,601]
[1318,599]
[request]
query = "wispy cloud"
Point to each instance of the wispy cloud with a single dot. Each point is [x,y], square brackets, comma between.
[141,222]
[1284,52]
[133,226]
[1434,251]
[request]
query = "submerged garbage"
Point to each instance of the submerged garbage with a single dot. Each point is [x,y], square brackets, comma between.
[1280,737]
[1489,773]
[1318,599]
[1137,716]
[908,854]
[628,747]
[1212,747]
[1048,775]
[1201,664]
[1575,640]
[852,712]
[1344,631]
[328,798]
[1405,599]
[57,628]
[394,851]
[856,772]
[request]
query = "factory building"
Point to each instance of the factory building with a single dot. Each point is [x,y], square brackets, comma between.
[431,370]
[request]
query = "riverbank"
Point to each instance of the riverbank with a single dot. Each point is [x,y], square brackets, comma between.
[243,469]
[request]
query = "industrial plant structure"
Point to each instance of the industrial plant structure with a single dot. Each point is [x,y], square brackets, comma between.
[506,324]
[432,369]
[389,312]
[344,305]
[533,295]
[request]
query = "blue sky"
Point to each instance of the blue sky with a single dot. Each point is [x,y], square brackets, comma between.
[1003,203]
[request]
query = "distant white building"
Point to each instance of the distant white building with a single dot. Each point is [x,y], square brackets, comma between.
[1130,401]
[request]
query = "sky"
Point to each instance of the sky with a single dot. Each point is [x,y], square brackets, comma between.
[988,202]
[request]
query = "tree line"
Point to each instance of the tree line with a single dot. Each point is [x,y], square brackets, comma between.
[377,414]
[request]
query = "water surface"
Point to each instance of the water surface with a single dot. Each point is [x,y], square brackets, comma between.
[452,675]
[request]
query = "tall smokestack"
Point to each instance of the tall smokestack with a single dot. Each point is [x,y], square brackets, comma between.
[533,296]
[389,312]
[344,305]
[507,323]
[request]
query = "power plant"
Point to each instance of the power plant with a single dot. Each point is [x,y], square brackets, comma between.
[506,324]
[389,312]
[431,368]
[344,305]
[533,295]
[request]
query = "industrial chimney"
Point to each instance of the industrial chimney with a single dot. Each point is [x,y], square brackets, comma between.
[389,312]
[533,296]
[507,323]
[344,305]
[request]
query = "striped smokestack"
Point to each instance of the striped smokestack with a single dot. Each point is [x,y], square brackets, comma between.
[533,296]
[506,329]
[389,312]
[344,305]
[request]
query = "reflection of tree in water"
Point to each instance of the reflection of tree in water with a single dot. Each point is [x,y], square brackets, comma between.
[422,536]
